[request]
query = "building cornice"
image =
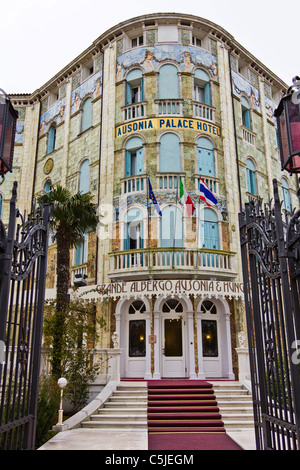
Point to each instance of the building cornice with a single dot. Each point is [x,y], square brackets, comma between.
[153,19]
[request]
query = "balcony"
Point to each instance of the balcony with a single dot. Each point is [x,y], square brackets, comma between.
[170,107]
[248,136]
[203,111]
[134,111]
[159,263]
[210,181]
[133,184]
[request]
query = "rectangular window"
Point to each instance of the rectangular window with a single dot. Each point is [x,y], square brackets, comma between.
[209,338]
[139,41]
[137,340]
[173,337]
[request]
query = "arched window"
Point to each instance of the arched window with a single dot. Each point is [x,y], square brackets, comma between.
[205,157]
[245,113]
[134,159]
[87,114]
[134,230]
[286,194]
[84,177]
[171,227]
[168,85]
[51,139]
[47,187]
[250,170]
[134,87]
[169,154]
[202,87]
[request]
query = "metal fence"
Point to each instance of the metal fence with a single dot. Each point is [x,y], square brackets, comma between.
[270,244]
[23,265]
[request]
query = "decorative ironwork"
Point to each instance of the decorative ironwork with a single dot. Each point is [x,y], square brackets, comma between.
[23,261]
[270,257]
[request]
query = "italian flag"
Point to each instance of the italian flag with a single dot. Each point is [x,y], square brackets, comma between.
[185,199]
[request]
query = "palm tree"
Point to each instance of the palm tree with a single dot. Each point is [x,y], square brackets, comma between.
[72,217]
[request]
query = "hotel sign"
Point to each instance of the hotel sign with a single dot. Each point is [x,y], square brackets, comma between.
[138,289]
[168,123]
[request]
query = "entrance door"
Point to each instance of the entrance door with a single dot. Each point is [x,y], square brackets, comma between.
[173,340]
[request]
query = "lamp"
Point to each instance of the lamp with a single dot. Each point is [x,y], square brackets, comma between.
[288,124]
[62,382]
[8,118]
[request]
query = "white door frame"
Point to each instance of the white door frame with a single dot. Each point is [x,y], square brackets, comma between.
[224,338]
[188,330]
[122,328]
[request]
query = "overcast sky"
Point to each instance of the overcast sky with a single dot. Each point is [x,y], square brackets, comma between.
[39,38]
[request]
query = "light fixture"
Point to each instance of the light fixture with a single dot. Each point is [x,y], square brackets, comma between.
[288,124]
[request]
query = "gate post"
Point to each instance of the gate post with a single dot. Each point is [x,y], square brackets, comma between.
[6,251]
[290,310]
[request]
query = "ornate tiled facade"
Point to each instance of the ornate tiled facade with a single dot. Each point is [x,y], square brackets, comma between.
[141,86]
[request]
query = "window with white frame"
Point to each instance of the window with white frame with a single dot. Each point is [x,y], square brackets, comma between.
[285,194]
[51,138]
[81,252]
[246,120]
[84,177]
[137,41]
[251,180]
[87,115]
[202,87]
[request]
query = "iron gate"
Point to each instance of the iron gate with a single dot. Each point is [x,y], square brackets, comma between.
[270,244]
[23,264]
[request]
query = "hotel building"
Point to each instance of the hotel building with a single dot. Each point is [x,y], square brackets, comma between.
[160,98]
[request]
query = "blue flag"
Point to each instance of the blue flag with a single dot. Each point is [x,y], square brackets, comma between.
[153,198]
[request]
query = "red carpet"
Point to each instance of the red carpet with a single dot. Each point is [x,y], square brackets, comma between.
[184,414]
[191,441]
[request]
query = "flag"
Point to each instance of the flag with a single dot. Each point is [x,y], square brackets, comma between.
[153,198]
[185,199]
[206,195]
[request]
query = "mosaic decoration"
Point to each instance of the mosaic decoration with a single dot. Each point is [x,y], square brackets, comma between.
[186,57]
[54,114]
[92,86]
[19,132]
[270,108]
[241,85]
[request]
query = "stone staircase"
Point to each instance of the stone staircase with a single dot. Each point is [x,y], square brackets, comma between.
[125,409]
[235,405]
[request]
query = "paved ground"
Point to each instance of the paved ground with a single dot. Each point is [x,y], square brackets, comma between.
[96,439]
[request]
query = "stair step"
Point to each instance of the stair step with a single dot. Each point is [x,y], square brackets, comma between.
[184,396]
[114,417]
[185,422]
[182,403]
[183,416]
[119,424]
[161,429]
[179,390]
[170,409]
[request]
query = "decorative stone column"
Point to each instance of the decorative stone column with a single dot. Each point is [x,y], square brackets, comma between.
[243,358]
[231,375]
[148,374]
[157,346]
[191,346]
[201,374]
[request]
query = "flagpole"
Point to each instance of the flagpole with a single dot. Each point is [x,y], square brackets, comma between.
[173,253]
[148,210]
